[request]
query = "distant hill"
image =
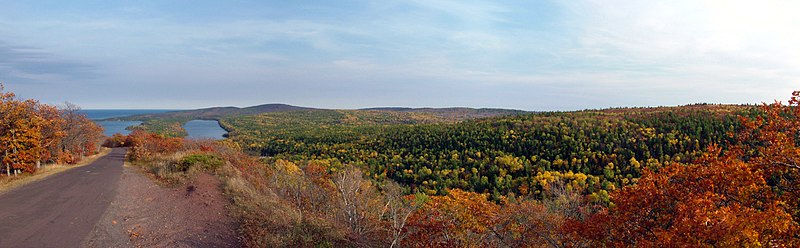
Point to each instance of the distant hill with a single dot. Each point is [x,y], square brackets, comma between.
[214,113]
[217,113]
[454,113]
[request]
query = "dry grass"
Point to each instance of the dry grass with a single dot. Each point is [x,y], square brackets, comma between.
[8,183]
[168,170]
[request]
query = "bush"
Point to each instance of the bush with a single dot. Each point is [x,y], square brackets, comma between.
[117,140]
[208,162]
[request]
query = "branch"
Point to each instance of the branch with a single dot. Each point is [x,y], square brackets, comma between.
[791,166]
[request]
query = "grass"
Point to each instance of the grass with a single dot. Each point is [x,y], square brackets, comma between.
[9,183]
[177,168]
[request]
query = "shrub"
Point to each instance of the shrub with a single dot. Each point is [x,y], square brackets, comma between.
[117,140]
[206,161]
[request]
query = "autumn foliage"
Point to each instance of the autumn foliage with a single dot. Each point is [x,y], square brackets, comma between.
[746,196]
[723,202]
[145,144]
[741,193]
[32,133]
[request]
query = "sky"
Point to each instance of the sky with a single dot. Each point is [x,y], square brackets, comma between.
[530,55]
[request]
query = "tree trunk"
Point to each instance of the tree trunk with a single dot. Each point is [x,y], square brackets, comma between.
[38,164]
[8,166]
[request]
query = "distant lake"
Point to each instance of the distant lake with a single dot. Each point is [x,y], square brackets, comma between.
[204,129]
[197,129]
[112,127]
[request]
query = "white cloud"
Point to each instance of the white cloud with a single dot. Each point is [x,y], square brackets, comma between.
[723,46]
[624,52]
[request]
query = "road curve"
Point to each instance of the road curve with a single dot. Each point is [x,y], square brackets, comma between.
[60,210]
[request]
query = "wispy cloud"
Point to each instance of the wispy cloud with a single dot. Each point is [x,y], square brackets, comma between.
[30,63]
[436,53]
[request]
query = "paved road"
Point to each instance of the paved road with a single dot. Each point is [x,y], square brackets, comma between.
[61,210]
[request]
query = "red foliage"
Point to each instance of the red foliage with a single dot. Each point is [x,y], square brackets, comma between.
[460,219]
[144,144]
[724,203]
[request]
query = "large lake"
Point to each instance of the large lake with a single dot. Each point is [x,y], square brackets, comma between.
[204,129]
[197,129]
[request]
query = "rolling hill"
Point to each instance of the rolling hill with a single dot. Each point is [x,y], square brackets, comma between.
[216,113]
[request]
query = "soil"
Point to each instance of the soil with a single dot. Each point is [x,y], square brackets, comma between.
[144,214]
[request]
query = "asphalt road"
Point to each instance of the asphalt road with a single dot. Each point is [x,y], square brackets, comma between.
[60,210]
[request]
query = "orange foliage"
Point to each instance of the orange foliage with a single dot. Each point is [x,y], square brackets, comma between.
[32,133]
[722,203]
[460,219]
[144,144]
[773,148]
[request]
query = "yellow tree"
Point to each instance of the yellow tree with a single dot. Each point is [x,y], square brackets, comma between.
[20,132]
[52,132]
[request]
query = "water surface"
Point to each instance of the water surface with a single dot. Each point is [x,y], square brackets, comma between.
[204,129]
[112,127]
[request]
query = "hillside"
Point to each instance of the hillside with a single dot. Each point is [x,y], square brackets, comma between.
[454,113]
[170,123]
[212,113]
[597,150]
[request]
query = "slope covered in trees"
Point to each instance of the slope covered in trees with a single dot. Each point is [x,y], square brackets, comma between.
[170,123]
[708,176]
[593,152]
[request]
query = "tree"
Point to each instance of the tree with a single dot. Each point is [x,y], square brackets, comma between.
[770,142]
[80,134]
[20,132]
[359,206]
[460,219]
[398,209]
[52,133]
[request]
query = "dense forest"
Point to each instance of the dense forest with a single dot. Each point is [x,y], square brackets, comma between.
[593,152]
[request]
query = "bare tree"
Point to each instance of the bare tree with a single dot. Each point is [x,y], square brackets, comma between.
[397,210]
[360,205]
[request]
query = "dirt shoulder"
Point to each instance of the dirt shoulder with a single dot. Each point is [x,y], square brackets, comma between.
[144,214]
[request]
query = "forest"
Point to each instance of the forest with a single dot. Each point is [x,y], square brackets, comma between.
[701,175]
[592,152]
[32,133]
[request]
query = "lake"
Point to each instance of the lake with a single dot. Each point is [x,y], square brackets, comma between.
[112,127]
[197,129]
[204,129]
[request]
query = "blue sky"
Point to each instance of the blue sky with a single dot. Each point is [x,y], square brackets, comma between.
[532,55]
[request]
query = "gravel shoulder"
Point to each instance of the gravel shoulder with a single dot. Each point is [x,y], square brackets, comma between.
[144,214]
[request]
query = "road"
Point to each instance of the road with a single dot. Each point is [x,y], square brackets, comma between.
[60,210]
